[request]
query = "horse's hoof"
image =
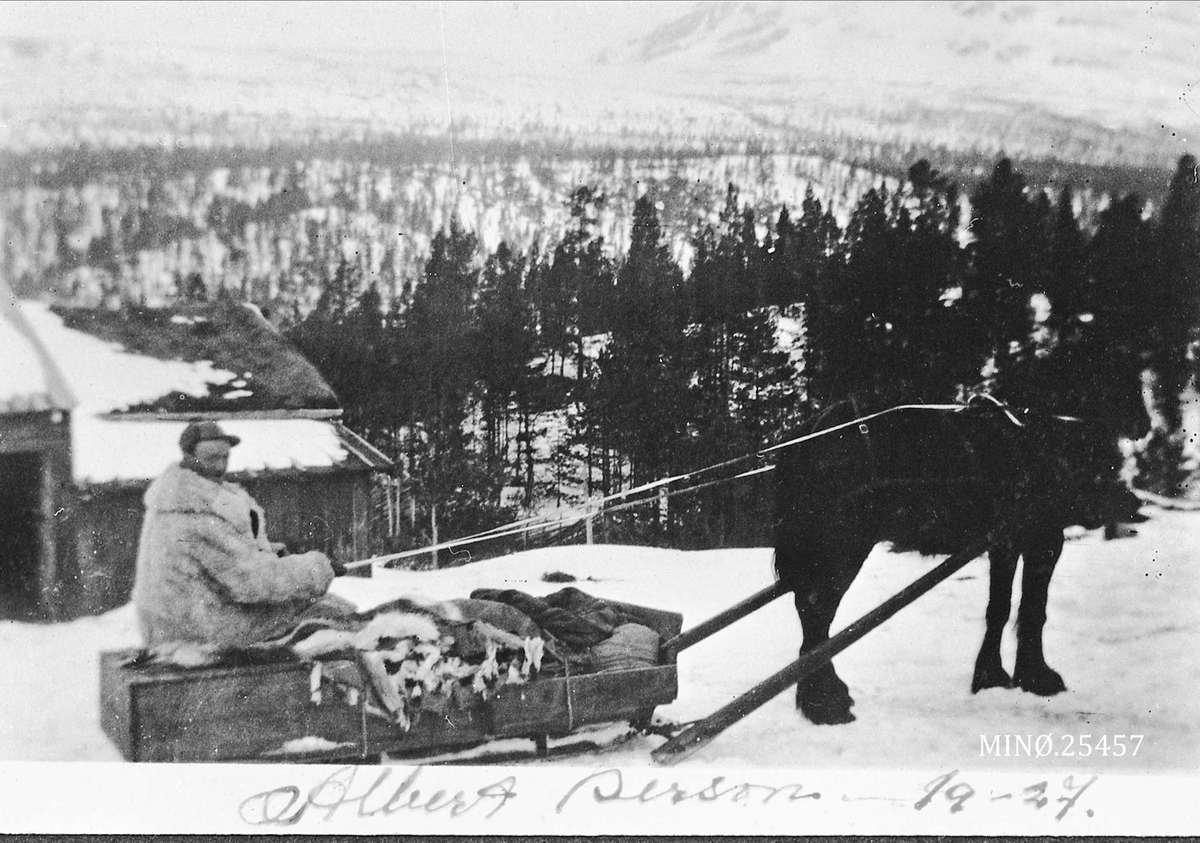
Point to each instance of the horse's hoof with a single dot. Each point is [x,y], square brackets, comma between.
[828,698]
[832,696]
[1044,683]
[826,710]
[836,696]
[827,716]
[993,677]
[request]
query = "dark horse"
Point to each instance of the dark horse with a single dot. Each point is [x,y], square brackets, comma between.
[938,480]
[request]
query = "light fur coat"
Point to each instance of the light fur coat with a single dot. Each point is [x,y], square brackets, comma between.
[204,577]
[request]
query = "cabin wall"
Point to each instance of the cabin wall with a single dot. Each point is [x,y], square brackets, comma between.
[107,528]
[326,512]
[35,464]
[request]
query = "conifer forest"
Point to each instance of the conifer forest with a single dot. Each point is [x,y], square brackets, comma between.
[516,350]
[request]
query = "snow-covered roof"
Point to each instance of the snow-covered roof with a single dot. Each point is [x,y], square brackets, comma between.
[28,382]
[221,358]
[107,450]
[24,385]
[132,380]
[104,376]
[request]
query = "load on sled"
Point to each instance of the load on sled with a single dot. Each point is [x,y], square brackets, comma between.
[404,680]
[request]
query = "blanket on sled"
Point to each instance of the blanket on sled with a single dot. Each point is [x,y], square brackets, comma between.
[409,657]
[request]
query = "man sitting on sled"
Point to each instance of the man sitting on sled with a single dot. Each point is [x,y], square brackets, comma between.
[208,579]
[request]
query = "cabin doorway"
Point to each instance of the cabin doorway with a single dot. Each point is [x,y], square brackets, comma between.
[21,515]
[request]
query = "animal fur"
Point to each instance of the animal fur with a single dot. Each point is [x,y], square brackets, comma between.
[205,576]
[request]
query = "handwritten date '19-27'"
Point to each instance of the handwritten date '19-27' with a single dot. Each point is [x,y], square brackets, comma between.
[351,793]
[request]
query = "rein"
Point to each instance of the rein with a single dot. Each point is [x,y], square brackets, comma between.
[973,404]
[621,498]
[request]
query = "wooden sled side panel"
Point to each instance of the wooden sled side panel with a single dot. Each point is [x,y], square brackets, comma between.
[269,711]
[559,706]
[218,713]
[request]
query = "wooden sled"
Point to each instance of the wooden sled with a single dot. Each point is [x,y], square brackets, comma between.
[282,711]
[277,712]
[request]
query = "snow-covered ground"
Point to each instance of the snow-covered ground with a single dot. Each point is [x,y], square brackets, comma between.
[1124,628]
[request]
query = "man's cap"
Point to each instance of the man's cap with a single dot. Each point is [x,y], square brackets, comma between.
[203,431]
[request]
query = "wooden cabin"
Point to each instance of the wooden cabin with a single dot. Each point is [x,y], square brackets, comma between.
[92,403]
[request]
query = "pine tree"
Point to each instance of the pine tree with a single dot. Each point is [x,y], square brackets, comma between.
[364,333]
[708,352]
[1006,262]
[781,286]
[738,283]
[1170,326]
[1066,281]
[506,345]
[818,236]
[641,381]
[928,271]
[325,338]
[1118,299]
[845,320]
[441,333]
[573,291]
[815,261]
[1176,256]
[766,392]
[1086,358]
[1108,354]
[723,289]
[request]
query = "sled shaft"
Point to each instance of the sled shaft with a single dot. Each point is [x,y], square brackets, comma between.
[703,732]
[719,621]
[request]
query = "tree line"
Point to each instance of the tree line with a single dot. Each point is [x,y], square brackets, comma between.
[515,379]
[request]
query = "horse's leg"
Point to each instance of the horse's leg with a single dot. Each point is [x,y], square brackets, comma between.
[1032,673]
[989,670]
[821,573]
[822,696]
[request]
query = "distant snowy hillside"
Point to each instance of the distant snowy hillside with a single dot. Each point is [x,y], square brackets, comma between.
[1007,73]
[1096,82]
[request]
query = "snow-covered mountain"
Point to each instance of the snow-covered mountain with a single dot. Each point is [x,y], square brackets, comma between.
[1095,82]
[1055,76]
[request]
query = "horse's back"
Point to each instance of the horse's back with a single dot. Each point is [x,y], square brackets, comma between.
[921,478]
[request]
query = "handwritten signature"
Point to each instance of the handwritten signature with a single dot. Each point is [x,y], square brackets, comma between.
[342,789]
[350,790]
[613,782]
